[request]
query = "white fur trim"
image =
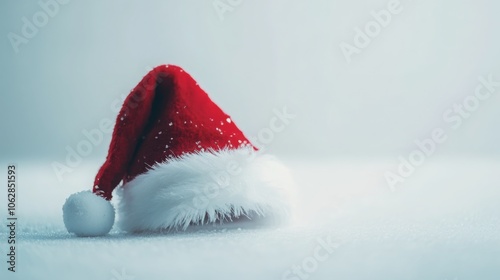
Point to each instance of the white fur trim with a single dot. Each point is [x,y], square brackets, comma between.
[206,187]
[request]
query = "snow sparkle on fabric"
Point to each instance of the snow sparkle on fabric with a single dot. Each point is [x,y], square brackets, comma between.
[165,116]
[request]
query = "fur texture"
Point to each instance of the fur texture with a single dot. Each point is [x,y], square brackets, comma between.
[206,187]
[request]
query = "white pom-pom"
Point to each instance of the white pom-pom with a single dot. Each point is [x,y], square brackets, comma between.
[87,214]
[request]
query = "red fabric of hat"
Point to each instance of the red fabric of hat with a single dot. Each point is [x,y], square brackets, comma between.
[166,115]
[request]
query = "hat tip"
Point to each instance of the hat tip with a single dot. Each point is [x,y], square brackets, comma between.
[167,67]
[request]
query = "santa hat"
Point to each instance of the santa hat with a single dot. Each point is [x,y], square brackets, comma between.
[181,161]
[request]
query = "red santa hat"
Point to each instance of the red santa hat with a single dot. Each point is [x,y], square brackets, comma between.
[182,160]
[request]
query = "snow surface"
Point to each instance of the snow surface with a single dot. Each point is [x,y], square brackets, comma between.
[442,223]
